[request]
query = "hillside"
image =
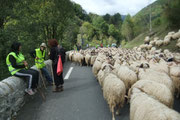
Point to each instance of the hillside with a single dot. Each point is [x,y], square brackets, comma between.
[159,26]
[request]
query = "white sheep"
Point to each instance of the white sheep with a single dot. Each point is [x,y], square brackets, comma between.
[159,43]
[174,72]
[93,58]
[166,41]
[114,92]
[147,39]
[178,40]
[127,75]
[178,45]
[143,107]
[176,35]
[156,76]
[96,67]
[87,59]
[156,90]
[152,42]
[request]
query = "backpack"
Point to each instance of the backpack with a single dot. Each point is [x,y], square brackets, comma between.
[59,51]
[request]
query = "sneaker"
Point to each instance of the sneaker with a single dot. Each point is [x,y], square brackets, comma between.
[29,91]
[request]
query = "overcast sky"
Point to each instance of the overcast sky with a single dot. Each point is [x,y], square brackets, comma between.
[101,7]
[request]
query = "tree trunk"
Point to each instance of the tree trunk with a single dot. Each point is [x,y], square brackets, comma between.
[54,32]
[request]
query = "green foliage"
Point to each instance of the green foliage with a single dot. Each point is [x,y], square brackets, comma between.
[172,10]
[128,28]
[141,19]
[34,21]
[123,43]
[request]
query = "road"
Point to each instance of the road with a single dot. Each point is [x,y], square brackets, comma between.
[82,99]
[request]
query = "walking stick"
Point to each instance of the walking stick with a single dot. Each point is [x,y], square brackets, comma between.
[54,86]
[39,88]
[43,81]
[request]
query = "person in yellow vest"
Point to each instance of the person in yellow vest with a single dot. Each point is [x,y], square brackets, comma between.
[19,67]
[39,56]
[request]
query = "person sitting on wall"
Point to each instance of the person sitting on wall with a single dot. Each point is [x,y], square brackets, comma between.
[19,67]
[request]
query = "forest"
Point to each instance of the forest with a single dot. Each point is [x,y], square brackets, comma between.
[32,22]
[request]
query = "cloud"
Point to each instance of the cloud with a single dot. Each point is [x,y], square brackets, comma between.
[124,7]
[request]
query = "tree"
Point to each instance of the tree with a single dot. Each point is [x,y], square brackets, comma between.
[128,28]
[172,10]
[107,18]
[116,20]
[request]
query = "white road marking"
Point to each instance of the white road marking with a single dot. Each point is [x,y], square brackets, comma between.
[68,73]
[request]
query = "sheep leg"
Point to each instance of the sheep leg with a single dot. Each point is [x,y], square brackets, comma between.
[112,110]
[177,95]
[118,109]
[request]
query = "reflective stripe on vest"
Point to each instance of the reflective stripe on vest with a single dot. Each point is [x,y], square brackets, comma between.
[19,61]
[40,61]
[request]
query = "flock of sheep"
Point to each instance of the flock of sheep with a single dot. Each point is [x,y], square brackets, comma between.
[149,44]
[147,79]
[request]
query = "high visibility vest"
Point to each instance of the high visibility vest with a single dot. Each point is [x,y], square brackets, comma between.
[19,60]
[40,61]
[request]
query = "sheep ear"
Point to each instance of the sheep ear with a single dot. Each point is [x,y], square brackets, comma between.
[129,93]
[111,67]
[141,66]
[147,65]
[103,68]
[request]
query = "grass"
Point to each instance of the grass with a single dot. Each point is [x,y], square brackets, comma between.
[160,32]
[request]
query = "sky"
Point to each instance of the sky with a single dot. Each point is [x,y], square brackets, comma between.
[124,7]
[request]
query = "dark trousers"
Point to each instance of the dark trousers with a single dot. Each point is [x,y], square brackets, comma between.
[58,79]
[32,75]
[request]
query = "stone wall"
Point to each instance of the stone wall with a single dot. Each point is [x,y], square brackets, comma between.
[12,95]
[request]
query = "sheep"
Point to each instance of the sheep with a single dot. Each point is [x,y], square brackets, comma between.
[156,90]
[178,45]
[101,75]
[166,41]
[87,59]
[178,40]
[147,39]
[171,33]
[93,58]
[159,43]
[156,38]
[152,42]
[79,58]
[176,35]
[96,67]
[70,55]
[156,76]
[114,92]
[160,67]
[143,107]
[128,76]
[149,47]
[174,72]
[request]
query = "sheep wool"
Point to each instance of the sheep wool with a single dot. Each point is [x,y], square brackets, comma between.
[156,90]
[114,92]
[143,107]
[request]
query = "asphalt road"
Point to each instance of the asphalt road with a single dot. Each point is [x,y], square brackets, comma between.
[82,99]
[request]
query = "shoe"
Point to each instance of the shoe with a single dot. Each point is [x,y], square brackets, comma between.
[50,83]
[29,91]
[57,89]
[35,90]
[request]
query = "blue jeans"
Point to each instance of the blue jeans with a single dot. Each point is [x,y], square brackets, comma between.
[46,74]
